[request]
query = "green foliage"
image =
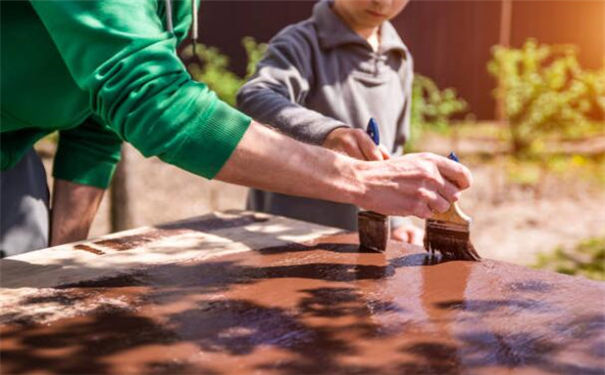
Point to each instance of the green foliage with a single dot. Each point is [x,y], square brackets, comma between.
[255,52]
[432,108]
[587,259]
[578,167]
[523,173]
[574,169]
[482,130]
[213,67]
[544,91]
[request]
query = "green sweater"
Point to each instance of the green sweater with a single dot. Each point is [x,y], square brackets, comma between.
[103,72]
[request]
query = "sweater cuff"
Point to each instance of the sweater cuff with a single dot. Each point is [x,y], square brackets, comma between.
[75,164]
[319,131]
[210,144]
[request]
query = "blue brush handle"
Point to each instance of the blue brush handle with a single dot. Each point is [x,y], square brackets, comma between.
[452,156]
[372,131]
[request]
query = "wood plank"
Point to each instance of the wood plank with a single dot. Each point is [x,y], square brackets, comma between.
[196,238]
[275,296]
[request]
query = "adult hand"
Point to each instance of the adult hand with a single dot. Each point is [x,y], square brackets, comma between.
[355,143]
[413,184]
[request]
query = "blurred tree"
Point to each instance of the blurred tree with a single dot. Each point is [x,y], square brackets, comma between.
[545,91]
[586,259]
[432,108]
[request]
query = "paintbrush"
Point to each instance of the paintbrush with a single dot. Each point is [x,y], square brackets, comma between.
[374,228]
[449,232]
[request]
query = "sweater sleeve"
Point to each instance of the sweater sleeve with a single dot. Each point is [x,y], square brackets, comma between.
[87,154]
[119,53]
[275,94]
[402,133]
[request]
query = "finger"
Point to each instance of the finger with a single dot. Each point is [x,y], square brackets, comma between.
[410,236]
[449,191]
[350,148]
[384,152]
[434,200]
[422,210]
[397,235]
[439,204]
[443,187]
[367,147]
[455,172]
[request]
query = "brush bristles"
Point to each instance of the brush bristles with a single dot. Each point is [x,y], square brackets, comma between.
[450,239]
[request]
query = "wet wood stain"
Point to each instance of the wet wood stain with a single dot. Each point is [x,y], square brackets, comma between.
[323,308]
[90,249]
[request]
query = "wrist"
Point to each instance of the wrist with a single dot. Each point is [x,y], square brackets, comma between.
[73,210]
[328,137]
[353,188]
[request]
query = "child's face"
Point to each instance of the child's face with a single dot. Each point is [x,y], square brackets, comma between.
[369,13]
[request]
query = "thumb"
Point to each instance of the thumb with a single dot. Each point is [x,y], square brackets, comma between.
[384,152]
[370,151]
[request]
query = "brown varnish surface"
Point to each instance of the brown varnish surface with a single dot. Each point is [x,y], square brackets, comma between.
[321,308]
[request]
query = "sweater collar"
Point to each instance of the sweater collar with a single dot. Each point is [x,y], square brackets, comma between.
[333,32]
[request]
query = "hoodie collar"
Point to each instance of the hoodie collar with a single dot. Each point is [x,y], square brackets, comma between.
[333,32]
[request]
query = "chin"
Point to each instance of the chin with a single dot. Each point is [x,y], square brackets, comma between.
[373,23]
[369,22]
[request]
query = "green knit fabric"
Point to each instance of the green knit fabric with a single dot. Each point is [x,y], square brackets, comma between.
[103,72]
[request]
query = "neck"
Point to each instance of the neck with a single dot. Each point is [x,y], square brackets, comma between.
[374,39]
[367,33]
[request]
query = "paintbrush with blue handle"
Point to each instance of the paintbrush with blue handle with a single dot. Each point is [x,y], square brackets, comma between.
[374,228]
[449,232]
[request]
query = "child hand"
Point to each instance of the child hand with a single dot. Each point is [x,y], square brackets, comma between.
[355,143]
[408,233]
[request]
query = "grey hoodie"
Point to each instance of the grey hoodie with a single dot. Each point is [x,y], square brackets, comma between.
[318,75]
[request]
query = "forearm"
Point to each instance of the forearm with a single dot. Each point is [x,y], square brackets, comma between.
[268,160]
[73,209]
[415,184]
[277,110]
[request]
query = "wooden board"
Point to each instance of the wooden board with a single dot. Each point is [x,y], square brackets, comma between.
[243,293]
[196,238]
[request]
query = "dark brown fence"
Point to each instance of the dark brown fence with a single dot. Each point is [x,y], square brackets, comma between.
[450,39]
